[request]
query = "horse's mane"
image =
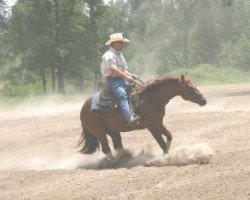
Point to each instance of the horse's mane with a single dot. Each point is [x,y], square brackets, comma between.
[154,83]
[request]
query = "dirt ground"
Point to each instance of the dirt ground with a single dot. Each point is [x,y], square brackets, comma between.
[38,158]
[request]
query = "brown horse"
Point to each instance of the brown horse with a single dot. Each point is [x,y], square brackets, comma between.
[153,98]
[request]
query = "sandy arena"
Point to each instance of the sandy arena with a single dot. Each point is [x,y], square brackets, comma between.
[38,158]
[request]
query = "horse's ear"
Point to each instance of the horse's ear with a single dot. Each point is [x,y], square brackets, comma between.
[183,78]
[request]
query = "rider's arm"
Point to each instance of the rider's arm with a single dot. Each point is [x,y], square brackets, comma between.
[128,73]
[116,72]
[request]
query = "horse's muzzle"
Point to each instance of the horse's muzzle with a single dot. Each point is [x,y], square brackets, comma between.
[203,102]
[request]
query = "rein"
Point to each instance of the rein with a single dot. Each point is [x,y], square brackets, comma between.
[140,83]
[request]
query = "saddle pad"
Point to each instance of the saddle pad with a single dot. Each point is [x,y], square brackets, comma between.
[94,104]
[106,100]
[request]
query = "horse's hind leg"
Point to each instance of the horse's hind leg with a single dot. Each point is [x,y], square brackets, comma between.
[105,146]
[93,122]
[101,135]
[117,140]
[168,134]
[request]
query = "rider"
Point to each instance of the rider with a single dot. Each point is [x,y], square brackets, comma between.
[114,69]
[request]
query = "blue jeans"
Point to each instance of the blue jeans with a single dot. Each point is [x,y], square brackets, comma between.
[118,86]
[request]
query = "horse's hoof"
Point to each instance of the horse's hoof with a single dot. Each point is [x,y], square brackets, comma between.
[165,152]
[147,164]
[120,150]
[110,157]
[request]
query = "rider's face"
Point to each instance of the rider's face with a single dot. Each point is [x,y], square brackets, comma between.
[118,45]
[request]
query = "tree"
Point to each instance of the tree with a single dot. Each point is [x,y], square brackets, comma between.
[95,10]
[63,12]
[41,35]
[32,37]
[60,42]
[3,28]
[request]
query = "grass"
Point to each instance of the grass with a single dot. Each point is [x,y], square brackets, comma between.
[201,74]
[8,102]
[210,75]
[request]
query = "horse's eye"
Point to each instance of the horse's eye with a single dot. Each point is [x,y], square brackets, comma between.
[191,88]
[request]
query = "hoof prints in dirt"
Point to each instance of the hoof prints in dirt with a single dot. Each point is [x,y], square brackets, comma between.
[183,155]
[123,159]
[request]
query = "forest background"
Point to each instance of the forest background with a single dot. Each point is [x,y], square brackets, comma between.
[55,46]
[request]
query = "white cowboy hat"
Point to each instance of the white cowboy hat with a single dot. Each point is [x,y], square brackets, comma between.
[116,37]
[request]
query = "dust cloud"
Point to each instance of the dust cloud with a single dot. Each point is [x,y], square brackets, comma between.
[32,161]
[34,107]
[199,153]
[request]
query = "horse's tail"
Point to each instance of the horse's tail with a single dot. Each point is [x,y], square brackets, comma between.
[89,142]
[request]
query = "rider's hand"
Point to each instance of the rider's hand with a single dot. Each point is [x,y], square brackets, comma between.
[129,78]
[134,76]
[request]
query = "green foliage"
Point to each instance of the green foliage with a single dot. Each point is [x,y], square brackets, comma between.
[7,102]
[205,74]
[227,2]
[23,90]
[54,45]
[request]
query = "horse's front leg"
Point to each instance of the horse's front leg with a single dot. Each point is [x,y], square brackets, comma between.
[102,137]
[156,132]
[168,134]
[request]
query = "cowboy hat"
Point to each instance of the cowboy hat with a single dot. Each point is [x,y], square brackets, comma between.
[116,37]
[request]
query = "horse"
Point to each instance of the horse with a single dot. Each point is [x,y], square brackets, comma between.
[153,97]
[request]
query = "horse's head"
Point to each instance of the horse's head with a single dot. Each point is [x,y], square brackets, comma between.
[189,92]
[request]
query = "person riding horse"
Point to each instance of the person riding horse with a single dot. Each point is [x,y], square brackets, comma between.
[114,69]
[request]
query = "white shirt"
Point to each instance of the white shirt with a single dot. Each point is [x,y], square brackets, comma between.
[112,59]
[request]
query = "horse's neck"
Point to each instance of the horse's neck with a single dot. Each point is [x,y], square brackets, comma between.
[166,92]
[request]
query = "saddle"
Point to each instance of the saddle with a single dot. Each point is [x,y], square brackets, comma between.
[106,99]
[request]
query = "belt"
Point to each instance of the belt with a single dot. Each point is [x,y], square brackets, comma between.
[113,78]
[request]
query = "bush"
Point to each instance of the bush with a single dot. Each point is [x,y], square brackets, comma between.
[21,90]
[205,74]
